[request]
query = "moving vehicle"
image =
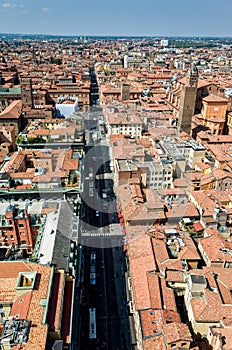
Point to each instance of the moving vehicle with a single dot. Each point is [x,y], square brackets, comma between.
[92,323]
[90,172]
[92,276]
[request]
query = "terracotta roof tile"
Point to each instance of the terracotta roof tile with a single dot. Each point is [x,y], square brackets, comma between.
[141,261]
[177,331]
[33,310]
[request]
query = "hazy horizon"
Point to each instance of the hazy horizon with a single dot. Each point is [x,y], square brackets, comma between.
[85,36]
[152,18]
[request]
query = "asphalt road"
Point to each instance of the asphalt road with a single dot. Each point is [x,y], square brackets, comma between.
[100,233]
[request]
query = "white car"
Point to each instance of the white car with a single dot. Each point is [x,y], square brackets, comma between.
[97,213]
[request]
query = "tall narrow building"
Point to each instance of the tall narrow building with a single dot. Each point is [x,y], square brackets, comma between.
[125,92]
[26,92]
[187,101]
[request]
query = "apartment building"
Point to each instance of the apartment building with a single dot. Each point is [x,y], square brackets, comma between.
[125,124]
[18,228]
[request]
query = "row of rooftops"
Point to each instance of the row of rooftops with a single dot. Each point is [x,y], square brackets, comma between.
[40,166]
[56,129]
[18,288]
[26,288]
[41,54]
[149,260]
[146,205]
[34,207]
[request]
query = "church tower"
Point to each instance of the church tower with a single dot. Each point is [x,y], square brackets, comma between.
[187,101]
[26,92]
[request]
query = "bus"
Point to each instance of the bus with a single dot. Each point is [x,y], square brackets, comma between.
[92,323]
[92,277]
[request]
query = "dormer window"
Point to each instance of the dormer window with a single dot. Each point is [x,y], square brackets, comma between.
[25,280]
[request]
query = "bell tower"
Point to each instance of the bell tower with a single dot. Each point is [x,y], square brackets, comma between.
[192,76]
[187,101]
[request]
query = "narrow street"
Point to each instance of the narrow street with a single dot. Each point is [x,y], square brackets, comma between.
[100,234]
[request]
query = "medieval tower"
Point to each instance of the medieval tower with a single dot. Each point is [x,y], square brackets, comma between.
[187,101]
[26,92]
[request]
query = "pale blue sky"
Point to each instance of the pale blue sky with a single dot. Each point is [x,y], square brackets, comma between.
[117,17]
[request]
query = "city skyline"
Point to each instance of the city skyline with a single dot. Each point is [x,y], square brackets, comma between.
[131,18]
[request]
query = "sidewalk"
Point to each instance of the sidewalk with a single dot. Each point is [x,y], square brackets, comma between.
[119,274]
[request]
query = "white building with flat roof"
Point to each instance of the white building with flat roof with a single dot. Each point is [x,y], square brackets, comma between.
[66,106]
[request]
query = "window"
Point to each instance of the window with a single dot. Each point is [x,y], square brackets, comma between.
[21,225]
[23,242]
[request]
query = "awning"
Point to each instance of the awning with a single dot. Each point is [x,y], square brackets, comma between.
[198,227]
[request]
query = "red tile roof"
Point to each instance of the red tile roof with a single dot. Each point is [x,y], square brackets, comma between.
[21,306]
[34,310]
[13,111]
